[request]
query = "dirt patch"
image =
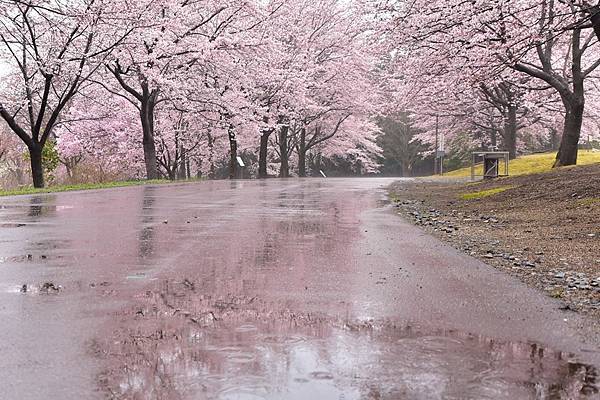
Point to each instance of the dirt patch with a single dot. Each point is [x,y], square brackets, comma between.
[543,228]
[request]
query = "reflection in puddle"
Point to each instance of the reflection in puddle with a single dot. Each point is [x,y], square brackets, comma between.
[183,345]
[12,225]
[296,247]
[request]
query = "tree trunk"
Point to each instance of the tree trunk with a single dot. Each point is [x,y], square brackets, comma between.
[20,176]
[147,117]
[317,163]
[574,105]
[69,171]
[302,153]
[567,152]
[233,153]
[37,168]
[302,163]
[554,139]
[510,132]
[181,174]
[211,151]
[493,138]
[172,173]
[284,169]
[594,12]
[263,154]
[406,167]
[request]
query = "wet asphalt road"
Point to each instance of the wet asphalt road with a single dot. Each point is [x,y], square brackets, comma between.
[329,295]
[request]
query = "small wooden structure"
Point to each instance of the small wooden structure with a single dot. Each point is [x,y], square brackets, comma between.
[492,162]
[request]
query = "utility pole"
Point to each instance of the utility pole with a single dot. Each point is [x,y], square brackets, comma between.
[435,153]
[442,150]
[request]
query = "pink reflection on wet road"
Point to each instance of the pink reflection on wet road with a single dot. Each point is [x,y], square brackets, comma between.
[293,289]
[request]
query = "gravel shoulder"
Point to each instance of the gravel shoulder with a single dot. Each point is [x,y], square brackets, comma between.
[542,228]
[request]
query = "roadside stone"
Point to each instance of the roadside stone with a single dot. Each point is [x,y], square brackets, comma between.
[528,264]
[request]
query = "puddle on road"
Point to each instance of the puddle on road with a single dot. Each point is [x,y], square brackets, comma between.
[181,345]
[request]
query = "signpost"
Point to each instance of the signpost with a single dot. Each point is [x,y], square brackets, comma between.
[242,165]
[440,153]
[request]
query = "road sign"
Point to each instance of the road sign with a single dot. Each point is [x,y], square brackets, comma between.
[240,161]
[440,154]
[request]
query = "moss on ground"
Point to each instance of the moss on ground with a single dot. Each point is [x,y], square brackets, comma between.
[484,193]
[590,201]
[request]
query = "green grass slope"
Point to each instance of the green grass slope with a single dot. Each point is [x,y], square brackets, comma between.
[531,164]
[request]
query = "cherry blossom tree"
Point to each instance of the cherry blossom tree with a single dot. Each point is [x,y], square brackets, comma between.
[183,43]
[481,43]
[102,130]
[322,65]
[51,49]
[356,145]
[177,86]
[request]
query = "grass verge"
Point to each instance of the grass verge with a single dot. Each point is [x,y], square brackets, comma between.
[85,186]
